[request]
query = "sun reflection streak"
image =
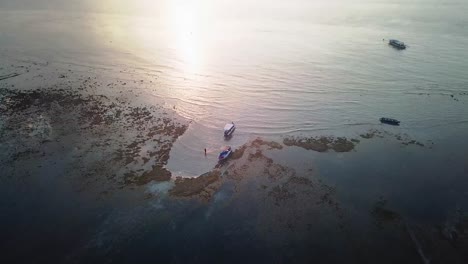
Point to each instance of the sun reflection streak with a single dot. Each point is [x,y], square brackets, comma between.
[182,24]
[186,26]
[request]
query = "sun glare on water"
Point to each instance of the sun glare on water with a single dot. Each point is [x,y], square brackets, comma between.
[186,27]
[151,26]
[178,39]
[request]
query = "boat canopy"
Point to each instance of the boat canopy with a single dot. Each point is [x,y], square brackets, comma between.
[228,127]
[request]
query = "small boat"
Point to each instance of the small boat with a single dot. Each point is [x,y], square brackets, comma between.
[225,153]
[229,129]
[390,121]
[397,44]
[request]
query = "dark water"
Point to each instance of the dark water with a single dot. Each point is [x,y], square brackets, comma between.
[47,218]
[275,68]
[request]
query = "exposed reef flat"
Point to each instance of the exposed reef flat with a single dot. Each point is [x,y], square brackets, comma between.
[97,138]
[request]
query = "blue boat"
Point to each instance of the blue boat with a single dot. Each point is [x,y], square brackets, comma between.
[225,153]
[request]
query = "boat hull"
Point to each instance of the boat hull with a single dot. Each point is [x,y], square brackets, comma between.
[397,44]
[390,121]
[228,133]
[398,47]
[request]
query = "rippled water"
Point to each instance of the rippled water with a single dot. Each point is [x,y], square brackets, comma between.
[274,68]
[283,71]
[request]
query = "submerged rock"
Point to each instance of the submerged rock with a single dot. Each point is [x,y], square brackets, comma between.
[199,186]
[382,215]
[322,144]
[158,173]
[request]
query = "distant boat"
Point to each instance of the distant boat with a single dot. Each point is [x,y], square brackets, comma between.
[225,153]
[390,121]
[229,129]
[397,44]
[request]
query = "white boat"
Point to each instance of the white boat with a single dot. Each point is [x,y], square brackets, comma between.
[229,129]
[397,44]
